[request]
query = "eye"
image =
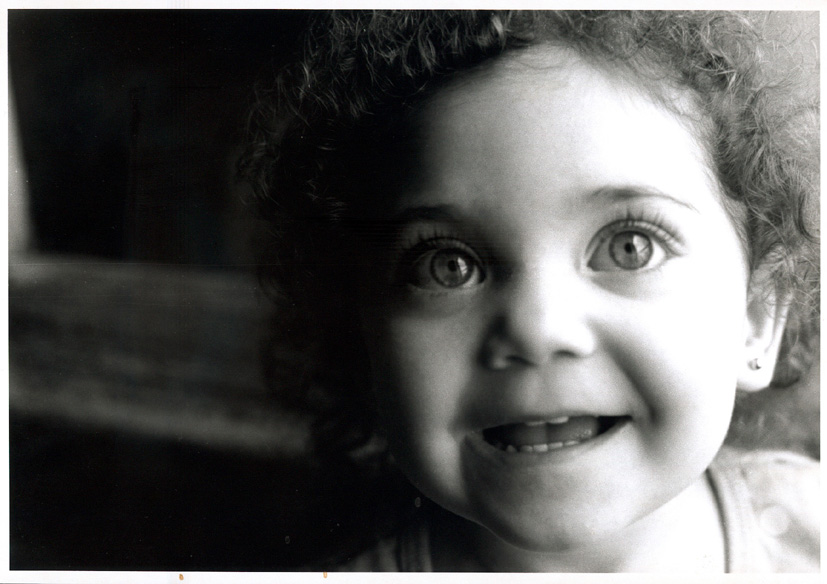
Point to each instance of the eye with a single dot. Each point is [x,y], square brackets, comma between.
[445,268]
[627,250]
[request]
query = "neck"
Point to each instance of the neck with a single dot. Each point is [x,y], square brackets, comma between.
[652,544]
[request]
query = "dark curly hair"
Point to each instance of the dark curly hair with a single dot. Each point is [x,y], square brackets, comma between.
[324,130]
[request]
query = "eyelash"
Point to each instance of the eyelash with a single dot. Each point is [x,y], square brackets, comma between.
[649,223]
[662,228]
[434,241]
[645,221]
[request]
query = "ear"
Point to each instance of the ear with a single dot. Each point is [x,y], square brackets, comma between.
[764,328]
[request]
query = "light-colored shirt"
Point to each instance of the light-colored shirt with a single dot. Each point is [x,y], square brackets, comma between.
[769,503]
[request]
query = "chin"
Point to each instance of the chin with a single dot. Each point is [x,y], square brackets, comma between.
[543,540]
[551,532]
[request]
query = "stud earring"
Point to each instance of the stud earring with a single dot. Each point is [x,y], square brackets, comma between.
[756,364]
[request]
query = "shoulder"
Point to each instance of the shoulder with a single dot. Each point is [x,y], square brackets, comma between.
[774,476]
[774,499]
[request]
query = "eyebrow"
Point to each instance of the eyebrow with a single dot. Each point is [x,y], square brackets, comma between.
[453,214]
[427,213]
[629,192]
[387,227]
[613,193]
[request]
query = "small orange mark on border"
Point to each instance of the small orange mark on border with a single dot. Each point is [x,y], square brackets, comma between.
[180,576]
[324,574]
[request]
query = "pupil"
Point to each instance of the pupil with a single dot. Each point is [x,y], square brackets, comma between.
[450,268]
[631,250]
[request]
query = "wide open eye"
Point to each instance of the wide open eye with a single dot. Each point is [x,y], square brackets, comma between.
[446,268]
[627,250]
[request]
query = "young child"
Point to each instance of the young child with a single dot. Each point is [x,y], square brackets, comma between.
[539,253]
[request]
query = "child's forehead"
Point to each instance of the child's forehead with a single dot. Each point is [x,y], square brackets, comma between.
[555,86]
[527,113]
[548,65]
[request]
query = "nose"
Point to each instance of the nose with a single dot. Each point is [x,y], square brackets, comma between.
[542,313]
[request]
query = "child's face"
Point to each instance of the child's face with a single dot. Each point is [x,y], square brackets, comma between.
[563,254]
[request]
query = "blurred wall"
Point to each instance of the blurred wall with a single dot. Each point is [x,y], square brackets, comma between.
[130,123]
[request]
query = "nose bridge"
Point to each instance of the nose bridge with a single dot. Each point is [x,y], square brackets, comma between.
[547,311]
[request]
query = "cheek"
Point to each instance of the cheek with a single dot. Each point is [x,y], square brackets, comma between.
[420,367]
[685,354]
[421,372]
[704,312]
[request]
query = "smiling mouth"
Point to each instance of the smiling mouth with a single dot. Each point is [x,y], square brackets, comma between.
[552,434]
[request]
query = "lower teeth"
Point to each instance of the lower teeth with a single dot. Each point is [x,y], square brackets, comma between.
[495,437]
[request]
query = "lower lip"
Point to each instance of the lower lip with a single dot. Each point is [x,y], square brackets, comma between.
[556,456]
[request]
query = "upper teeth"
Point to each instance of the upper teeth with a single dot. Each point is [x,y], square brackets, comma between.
[557,420]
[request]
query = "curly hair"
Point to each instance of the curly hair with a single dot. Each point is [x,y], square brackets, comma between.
[317,136]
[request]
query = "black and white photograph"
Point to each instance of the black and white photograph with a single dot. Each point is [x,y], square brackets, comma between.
[314,291]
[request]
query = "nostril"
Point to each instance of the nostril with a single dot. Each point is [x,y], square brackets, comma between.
[497,356]
[529,332]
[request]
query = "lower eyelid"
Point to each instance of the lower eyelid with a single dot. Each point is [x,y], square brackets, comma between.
[666,248]
[423,250]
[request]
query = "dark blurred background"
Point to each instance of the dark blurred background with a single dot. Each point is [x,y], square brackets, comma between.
[142,434]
